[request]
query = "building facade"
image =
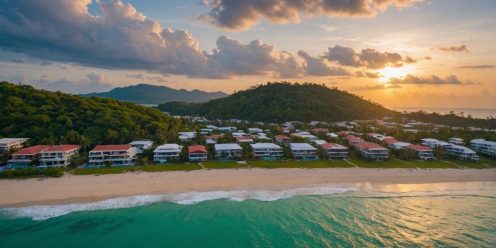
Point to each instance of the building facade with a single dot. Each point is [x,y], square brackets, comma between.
[166,153]
[197,153]
[372,151]
[303,151]
[266,151]
[483,146]
[335,151]
[231,151]
[26,157]
[58,156]
[10,144]
[114,155]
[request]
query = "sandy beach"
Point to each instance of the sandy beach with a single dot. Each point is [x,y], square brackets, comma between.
[70,188]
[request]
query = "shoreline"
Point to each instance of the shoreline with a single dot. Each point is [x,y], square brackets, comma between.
[82,189]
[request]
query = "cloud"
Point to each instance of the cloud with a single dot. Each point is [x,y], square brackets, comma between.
[242,14]
[136,76]
[317,66]
[431,80]
[375,87]
[368,58]
[123,38]
[476,67]
[461,48]
[368,74]
[93,82]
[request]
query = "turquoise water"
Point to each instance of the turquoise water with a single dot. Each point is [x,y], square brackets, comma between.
[339,220]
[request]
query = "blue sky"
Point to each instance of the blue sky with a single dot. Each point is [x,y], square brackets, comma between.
[437,53]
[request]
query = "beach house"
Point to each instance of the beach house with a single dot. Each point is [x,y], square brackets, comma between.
[197,153]
[253,130]
[433,143]
[230,151]
[394,144]
[282,139]
[266,151]
[353,140]
[187,136]
[372,151]
[10,144]
[303,151]
[58,156]
[456,141]
[212,139]
[483,146]
[462,153]
[335,151]
[166,153]
[114,155]
[26,157]
[422,152]
[243,139]
[141,145]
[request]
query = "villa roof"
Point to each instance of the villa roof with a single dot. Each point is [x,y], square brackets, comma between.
[390,141]
[61,148]
[419,148]
[352,138]
[328,146]
[282,137]
[31,150]
[368,146]
[102,148]
[197,149]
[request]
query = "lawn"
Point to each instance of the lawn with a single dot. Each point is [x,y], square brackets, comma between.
[299,164]
[223,165]
[102,171]
[170,167]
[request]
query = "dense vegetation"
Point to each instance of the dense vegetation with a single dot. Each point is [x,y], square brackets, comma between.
[55,118]
[151,94]
[452,119]
[279,102]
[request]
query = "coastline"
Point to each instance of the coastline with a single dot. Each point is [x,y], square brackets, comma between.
[82,189]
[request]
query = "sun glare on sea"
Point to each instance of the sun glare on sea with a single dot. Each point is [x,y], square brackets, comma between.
[393,72]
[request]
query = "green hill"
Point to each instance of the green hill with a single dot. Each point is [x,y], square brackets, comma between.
[54,117]
[278,102]
[152,94]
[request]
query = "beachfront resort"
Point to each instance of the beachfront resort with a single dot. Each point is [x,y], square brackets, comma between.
[245,141]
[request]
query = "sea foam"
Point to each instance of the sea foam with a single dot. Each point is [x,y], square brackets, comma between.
[43,212]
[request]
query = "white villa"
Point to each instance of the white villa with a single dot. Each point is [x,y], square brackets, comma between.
[166,153]
[254,130]
[197,153]
[141,145]
[187,136]
[230,151]
[115,155]
[433,143]
[303,151]
[58,156]
[456,141]
[484,147]
[395,144]
[372,151]
[282,139]
[8,144]
[266,151]
[24,157]
[335,151]
[463,153]
[422,152]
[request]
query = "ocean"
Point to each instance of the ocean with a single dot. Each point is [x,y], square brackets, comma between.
[447,216]
[475,112]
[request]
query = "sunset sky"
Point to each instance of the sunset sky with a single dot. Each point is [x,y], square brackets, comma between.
[408,53]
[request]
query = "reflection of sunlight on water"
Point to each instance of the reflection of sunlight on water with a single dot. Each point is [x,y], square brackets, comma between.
[426,189]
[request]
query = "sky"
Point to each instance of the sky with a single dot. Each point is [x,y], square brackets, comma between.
[399,53]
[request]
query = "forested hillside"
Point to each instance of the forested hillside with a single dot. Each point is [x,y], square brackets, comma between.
[51,118]
[278,102]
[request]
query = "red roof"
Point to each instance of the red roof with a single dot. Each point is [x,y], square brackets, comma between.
[243,138]
[368,145]
[320,130]
[330,145]
[215,136]
[102,148]
[390,141]
[343,133]
[31,150]
[197,149]
[62,148]
[352,138]
[419,148]
[282,137]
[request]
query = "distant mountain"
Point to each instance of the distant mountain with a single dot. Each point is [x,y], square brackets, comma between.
[278,102]
[152,94]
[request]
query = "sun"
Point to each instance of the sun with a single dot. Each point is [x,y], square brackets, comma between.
[393,72]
